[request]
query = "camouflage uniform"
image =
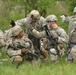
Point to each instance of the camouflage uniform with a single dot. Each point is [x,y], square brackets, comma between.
[70,20]
[55,32]
[15,45]
[71,54]
[72,36]
[2,42]
[38,25]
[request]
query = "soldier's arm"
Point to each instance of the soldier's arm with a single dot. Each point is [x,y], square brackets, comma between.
[38,34]
[20,22]
[63,37]
[42,21]
[65,18]
[11,52]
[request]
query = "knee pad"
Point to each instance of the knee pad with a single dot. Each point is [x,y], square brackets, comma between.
[53,55]
[17,59]
[53,51]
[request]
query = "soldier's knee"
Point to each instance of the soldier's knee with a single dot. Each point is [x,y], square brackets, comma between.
[53,55]
[17,59]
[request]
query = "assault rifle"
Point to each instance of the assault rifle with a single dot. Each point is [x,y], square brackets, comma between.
[29,53]
[50,37]
[33,55]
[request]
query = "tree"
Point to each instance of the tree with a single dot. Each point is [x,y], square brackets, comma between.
[6,7]
[71,4]
[40,5]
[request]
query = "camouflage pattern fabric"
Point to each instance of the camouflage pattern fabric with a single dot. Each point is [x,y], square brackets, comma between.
[72,54]
[2,42]
[14,46]
[28,26]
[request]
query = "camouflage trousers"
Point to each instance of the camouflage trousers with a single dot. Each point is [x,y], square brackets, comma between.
[54,55]
[71,54]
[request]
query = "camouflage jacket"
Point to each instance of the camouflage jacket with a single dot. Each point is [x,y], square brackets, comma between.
[26,22]
[18,44]
[62,35]
[70,20]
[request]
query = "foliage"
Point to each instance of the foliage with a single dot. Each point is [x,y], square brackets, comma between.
[16,9]
[40,5]
[71,4]
[42,68]
[8,11]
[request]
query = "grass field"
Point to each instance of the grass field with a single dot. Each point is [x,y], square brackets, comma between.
[42,68]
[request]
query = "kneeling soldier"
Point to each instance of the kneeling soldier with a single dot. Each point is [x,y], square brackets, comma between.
[19,46]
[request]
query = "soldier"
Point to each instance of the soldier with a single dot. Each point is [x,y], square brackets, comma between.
[71,54]
[70,20]
[2,42]
[55,32]
[19,46]
[71,32]
[33,20]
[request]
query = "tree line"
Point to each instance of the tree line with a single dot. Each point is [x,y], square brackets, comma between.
[14,9]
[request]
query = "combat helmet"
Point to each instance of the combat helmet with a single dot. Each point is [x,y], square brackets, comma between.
[16,30]
[51,18]
[74,9]
[35,14]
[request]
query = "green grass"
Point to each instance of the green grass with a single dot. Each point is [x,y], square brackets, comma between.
[43,68]
[62,68]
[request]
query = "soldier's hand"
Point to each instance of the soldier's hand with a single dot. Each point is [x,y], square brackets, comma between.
[23,50]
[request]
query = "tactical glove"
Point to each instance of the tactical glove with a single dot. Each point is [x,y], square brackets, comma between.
[23,51]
